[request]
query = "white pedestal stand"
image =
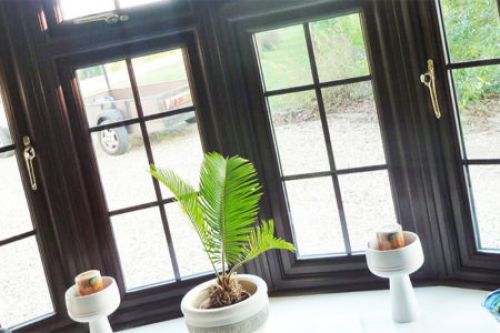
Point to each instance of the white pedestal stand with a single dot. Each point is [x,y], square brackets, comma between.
[94,309]
[396,265]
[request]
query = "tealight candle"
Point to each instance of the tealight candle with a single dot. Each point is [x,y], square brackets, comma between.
[89,282]
[390,237]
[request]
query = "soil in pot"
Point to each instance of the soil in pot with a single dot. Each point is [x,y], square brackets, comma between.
[229,292]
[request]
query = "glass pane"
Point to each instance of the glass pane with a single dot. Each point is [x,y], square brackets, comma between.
[368,205]
[24,293]
[283,57]
[472,29]
[339,48]
[353,124]
[478,95]
[176,145]
[14,217]
[134,3]
[142,247]
[314,216]
[191,257]
[485,182]
[5,138]
[106,93]
[123,166]
[298,132]
[73,8]
[162,81]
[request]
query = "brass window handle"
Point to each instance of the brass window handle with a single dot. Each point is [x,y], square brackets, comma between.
[110,18]
[29,155]
[429,80]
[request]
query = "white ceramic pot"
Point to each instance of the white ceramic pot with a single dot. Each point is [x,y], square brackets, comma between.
[94,309]
[248,316]
[396,265]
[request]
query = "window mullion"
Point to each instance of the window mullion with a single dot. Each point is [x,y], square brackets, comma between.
[326,133]
[156,184]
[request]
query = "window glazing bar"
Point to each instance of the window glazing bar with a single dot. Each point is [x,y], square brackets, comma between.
[164,114]
[326,133]
[473,63]
[326,84]
[17,238]
[149,153]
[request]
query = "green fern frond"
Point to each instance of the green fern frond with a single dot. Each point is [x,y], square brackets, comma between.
[229,197]
[187,197]
[260,240]
[224,211]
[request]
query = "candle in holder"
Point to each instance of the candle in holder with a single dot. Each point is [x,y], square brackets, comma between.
[89,282]
[390,237]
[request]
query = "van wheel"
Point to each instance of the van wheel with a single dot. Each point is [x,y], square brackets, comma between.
[5,140]
[114,141]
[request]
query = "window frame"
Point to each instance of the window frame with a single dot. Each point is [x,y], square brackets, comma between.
[166,293]
[333,171]
[143,15]
[430,190]
[286,270]
[465,161]
[462,229]
[37,202]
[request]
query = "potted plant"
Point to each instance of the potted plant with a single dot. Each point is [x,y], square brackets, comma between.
[223,213]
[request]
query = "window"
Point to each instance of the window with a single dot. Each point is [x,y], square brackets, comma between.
[24,292]
[317,86]
[471,30]
[140,112]
[304,89]
[72,9]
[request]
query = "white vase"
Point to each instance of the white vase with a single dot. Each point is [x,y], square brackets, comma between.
[396,265]
[94,309]
[248,316]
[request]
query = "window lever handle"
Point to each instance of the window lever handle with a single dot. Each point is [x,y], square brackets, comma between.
[429,80]
[109,18]
[29,155]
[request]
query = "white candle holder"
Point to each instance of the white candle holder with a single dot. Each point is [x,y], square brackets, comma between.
[94,309]
[396,265]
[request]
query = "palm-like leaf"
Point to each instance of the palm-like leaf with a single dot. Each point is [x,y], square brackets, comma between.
[260,240]
[224,210]
[229,198]
[187,197]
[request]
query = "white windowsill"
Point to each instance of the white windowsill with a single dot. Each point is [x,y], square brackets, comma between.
[444,310]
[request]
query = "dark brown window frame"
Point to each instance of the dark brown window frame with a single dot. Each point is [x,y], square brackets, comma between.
[463,237]
[43,227]
[67,66]
[144,15]
[220,40]
[287,270]
[334,172]
[466,162]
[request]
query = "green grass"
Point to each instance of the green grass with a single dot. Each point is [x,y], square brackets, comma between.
[286,63]
[163,74]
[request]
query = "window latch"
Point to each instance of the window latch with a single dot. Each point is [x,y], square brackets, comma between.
[429,80]
[29,155]
[109,18]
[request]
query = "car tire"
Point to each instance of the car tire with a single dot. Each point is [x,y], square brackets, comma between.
[5,140]
[114,141]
